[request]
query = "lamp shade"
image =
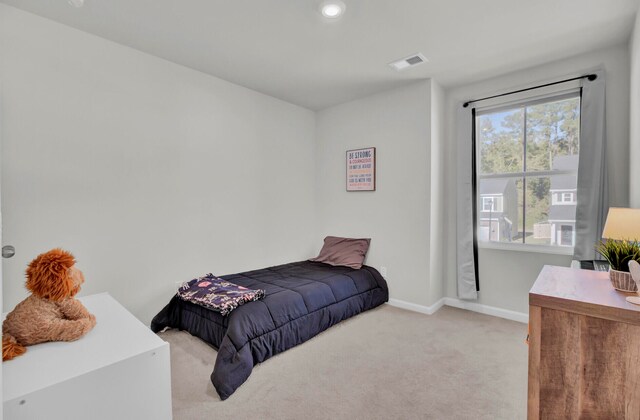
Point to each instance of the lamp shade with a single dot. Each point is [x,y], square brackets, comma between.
[622,223]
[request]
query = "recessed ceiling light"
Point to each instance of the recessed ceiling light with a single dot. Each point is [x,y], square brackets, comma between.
[332,9]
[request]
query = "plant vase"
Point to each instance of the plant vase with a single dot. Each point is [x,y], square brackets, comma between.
[622,280]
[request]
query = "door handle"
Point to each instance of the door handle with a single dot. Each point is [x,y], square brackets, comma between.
[8,251]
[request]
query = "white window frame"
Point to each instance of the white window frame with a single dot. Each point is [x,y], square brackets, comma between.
[496,203]
[558,197]
[566,92]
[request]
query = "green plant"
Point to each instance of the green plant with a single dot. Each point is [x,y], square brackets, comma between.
[619,253]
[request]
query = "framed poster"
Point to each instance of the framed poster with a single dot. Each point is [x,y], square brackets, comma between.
[361,169]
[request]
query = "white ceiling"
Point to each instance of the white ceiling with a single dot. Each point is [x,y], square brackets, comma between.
[285,49]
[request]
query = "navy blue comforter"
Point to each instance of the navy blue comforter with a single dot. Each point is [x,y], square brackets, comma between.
[302,299]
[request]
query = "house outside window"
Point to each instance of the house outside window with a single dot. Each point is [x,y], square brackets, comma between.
[527,165]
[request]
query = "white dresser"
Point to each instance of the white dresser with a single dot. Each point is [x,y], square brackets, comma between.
[119,370]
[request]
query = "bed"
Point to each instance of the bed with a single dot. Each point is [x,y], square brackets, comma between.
[302,299]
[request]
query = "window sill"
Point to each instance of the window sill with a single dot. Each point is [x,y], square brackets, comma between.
[542,249]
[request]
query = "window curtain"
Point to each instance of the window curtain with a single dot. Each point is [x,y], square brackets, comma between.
[467,250]
[593,194]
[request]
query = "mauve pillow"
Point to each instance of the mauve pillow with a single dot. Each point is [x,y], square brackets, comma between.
[343,251]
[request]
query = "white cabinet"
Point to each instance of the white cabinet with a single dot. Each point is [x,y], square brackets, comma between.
[119,370]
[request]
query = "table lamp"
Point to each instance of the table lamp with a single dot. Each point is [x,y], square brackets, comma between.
[623,224]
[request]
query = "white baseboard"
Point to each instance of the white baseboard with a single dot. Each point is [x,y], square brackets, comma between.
[429,310]
[487,310]
[462,304]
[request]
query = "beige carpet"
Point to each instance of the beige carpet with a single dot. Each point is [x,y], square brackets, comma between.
[387,363]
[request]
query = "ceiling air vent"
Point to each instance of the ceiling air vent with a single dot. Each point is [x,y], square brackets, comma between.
[412,60]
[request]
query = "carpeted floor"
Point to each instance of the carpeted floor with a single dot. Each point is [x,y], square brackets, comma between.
[387,363]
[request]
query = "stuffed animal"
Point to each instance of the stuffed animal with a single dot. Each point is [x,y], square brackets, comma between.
[51,313]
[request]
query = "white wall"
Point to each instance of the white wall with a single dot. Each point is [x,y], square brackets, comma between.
[438,193]
[634,112]
[149,172]
[507,276]
[397,215]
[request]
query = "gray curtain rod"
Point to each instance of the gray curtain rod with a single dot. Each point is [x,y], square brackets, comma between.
[590,77]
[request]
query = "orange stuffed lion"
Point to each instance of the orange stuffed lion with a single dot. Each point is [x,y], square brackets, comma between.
[51,313]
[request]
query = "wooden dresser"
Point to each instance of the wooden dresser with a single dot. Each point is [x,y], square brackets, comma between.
[584,348]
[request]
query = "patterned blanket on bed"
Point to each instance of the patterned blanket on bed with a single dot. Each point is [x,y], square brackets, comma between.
[217,294]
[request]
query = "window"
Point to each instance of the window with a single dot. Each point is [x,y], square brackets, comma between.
[562,198]
[491,204]
[527,156]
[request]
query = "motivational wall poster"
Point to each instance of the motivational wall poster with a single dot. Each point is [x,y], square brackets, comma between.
[361,169]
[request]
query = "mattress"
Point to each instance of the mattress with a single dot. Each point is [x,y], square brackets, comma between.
[302,299]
